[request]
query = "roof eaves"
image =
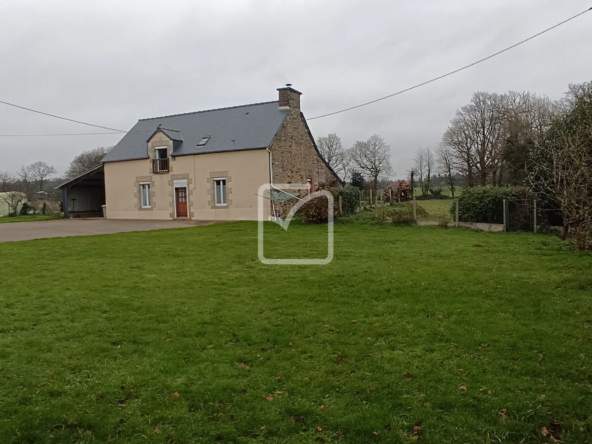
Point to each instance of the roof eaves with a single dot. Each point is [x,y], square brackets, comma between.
[80,176]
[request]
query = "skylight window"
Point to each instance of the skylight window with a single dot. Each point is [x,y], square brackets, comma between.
[203,141]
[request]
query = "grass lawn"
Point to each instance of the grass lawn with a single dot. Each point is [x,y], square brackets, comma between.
[183,336]
[436,209]
[32,218]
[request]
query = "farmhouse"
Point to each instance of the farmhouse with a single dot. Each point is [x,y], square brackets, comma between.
[204,165]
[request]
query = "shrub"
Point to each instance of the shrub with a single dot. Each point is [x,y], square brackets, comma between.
[315,211]
[350,199]
[486,205]
[437,193]
[27,209]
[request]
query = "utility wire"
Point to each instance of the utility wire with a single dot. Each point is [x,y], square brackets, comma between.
[62,118]
[58,134]
[117,131]
[451,72]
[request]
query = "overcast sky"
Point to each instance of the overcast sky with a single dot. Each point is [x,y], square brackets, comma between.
[114,62]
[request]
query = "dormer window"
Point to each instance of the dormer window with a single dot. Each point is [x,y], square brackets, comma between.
[161,162]
[161,153]
[203,141]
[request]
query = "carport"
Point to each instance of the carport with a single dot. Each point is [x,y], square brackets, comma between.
[84,196]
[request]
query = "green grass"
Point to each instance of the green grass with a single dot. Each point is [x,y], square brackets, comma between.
[32,218]
[435,210]
[98,333]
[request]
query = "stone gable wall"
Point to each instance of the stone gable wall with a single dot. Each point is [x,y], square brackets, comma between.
[294,156]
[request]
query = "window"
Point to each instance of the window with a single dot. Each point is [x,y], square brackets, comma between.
[220,191]
[161,152]
[145,195]
[203,141]
[161,163]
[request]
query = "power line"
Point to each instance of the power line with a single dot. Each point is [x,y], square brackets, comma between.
[451,72]
[118,131]
[58,134]
[62,118]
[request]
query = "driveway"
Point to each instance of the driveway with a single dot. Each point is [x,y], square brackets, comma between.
[19,231]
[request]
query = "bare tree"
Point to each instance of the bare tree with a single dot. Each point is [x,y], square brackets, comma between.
[372,158]
[24,175]
[425,165]
[40,171]
[6,181]
[86,160]
[477,134]
[14,200]
[562,164]
[445,159]
[419,167]
[430,164]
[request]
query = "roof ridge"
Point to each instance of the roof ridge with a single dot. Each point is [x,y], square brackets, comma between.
[209,110]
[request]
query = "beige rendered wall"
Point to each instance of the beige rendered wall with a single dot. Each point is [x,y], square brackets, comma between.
[245,172]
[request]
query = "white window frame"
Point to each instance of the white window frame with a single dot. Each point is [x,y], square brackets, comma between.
[142,185]
[216,203]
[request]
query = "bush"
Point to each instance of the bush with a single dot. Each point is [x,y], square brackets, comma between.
[486,205]
[350,199]
[27,209]
[436,193]
[315,211]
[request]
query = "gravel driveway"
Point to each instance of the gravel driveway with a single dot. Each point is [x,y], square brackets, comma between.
[19,231]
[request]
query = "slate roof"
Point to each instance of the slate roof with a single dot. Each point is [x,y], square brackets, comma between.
[230,129]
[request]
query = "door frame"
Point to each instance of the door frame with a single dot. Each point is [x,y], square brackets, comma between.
[180,184]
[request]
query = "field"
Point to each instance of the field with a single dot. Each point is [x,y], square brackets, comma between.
[183,336]
[435,210]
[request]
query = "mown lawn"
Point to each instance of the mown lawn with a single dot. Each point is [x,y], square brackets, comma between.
[31,218]
[183,336]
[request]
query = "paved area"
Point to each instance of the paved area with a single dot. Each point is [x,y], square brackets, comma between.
[19,231]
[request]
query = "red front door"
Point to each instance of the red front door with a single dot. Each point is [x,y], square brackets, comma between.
[181,197]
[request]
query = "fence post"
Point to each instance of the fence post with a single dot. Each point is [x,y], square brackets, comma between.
[390,196]
[370,198]
[340,206]
[456,202]
[414,209]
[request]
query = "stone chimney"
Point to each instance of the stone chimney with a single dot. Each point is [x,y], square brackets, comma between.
[289,97]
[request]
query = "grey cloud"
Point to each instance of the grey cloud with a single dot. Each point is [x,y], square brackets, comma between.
[111,63]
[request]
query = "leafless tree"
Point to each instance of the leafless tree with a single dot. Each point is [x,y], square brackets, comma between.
[6,181]
[40,171]
[14,200]
[476,134]
[445,160]
[86,160]
[419,167]
[562,164]
[372,158]
[425,164]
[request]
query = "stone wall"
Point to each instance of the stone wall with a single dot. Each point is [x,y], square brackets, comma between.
[294,156]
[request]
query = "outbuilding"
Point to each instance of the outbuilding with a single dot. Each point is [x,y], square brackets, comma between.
[84,196]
